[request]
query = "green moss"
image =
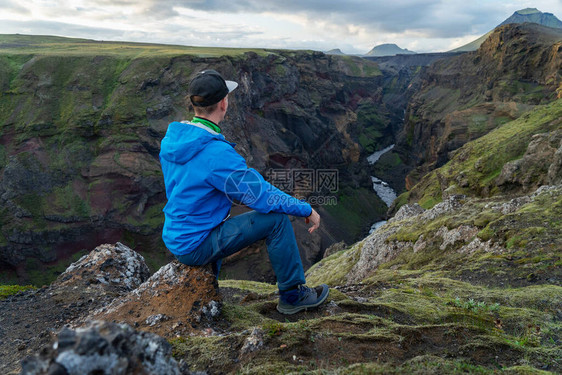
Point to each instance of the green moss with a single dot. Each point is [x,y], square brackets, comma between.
[242,317]
[525,370]
[359,67]
[9,290]
[251,286]
[334,269]
[203,352]
[401,200]
[65,202]
[38,273]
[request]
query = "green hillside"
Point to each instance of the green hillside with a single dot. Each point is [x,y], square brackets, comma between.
[475,168]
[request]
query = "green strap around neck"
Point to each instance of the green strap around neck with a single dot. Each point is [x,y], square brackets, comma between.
[207,123]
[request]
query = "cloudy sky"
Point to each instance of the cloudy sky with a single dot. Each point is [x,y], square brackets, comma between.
[354,26]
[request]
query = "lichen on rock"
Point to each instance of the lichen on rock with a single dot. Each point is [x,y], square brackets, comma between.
[104,348]
[115,267]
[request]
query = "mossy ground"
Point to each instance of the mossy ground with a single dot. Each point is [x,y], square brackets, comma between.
[436,310]
[395,323]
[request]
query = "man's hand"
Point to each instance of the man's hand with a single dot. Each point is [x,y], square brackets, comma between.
[315,219]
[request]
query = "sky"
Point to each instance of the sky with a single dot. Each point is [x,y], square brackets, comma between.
[354,26]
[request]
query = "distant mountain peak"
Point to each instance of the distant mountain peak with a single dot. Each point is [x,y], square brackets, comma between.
[335,51]
[530,15]
[388,49]
[528,11]
[533,15]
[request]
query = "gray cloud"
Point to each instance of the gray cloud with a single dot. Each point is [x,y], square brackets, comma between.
[14,7]
[323,24]
[434,18]
[57,28]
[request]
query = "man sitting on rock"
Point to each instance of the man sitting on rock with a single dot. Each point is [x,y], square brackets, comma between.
[204,175]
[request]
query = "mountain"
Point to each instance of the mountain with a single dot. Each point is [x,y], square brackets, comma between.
[388,50]
[335,51]
[531,15]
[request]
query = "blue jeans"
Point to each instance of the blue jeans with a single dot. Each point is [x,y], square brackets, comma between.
[243,230]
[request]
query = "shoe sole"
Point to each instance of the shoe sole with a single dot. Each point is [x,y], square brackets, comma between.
[296,309]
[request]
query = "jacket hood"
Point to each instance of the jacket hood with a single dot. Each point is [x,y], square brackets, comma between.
[184,140]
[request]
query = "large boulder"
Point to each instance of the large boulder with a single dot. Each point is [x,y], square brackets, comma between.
[114,268]
[539,166]
[105,349]
[174,301]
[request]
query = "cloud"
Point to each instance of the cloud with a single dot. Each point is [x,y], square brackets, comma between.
[434,18]
[13,7]
[353,25]
[58,29]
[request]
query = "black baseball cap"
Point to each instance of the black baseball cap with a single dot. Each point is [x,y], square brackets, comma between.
[208,87]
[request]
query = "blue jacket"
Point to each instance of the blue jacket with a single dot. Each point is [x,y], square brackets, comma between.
[203,174]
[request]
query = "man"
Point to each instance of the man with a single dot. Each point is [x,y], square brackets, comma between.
[204,174]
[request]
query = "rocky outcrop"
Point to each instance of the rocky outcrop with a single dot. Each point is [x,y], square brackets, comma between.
[110,283]
[461,98]
[385,244]
[114,268]
[539,165]
[104,348]
[171,303]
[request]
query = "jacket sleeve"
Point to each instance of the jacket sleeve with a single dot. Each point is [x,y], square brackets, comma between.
[231,175]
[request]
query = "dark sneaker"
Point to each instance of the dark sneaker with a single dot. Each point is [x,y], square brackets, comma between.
[302,298]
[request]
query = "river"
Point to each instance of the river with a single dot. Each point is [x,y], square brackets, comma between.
[383,189]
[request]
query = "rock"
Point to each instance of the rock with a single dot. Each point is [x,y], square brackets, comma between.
[104,348]
[407,211]
[253,342]
[174,294]
[513,205]
[478,245]
[420,244]
[114,268]
[334,248]
[452,203]
[555,169]
[375,251]
[546,189]
[533,169]
[463,233]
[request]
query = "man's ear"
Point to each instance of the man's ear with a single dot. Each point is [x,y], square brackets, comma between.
[223,103]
